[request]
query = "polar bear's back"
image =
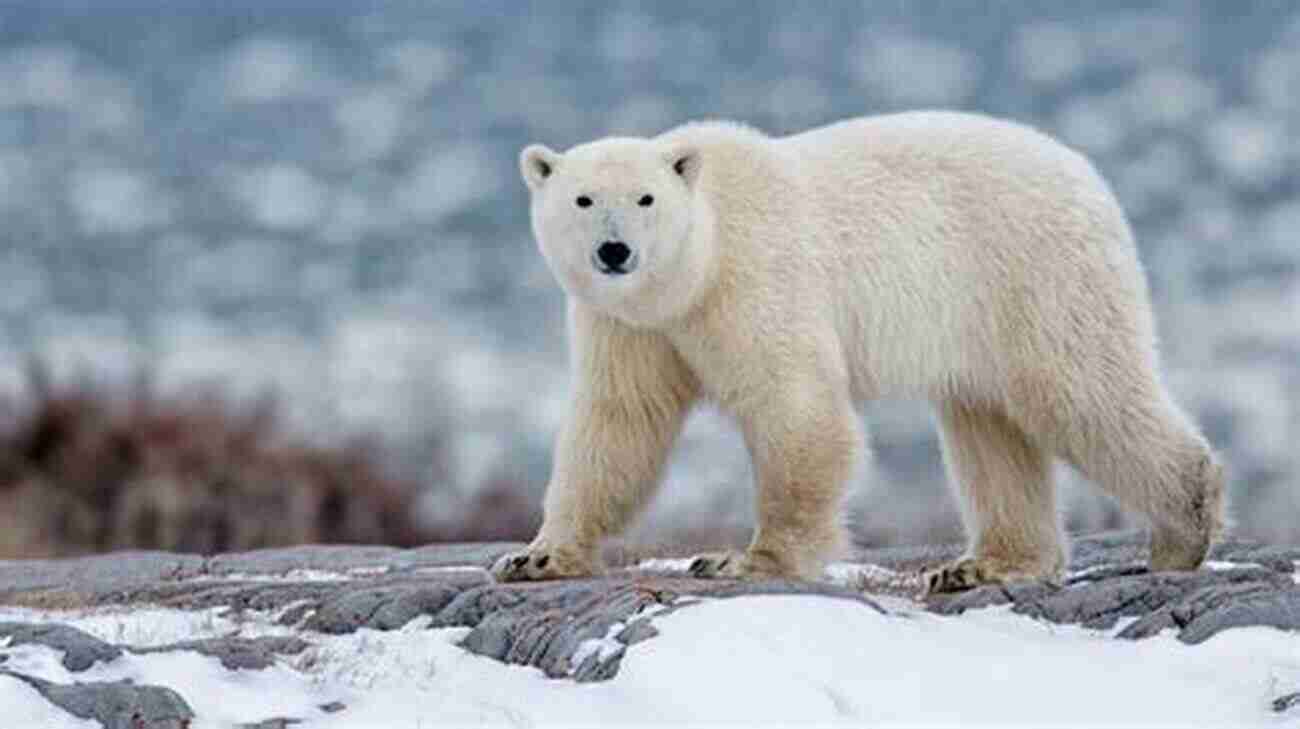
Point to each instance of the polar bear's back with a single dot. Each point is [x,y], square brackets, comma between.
[948,167]
[974,227]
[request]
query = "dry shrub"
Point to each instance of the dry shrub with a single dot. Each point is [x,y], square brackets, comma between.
[85,468]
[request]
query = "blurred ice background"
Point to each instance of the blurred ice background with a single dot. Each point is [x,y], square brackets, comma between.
[322,198]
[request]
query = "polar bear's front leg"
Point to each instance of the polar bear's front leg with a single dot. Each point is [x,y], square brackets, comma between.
[805,444]
[631,397]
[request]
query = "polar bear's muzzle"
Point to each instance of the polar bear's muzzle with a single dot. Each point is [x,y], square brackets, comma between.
[614,258]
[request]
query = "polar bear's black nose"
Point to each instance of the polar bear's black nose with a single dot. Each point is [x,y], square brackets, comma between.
[613,256]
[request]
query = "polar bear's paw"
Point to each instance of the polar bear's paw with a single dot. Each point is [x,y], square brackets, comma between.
[970,572]
[963,574]
[540,562]
[716,564]
[734,566]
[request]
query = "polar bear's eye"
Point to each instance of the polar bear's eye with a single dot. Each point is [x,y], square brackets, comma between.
[646,201]
[584,201]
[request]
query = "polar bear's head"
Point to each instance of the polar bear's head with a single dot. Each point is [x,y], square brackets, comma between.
[619,225]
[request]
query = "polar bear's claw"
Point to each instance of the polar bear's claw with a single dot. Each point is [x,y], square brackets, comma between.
[708,566]
[964,574]
[538,564]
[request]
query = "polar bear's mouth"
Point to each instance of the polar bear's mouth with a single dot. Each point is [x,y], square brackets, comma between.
[614,258]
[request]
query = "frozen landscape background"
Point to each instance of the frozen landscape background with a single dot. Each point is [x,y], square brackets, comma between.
[322,199]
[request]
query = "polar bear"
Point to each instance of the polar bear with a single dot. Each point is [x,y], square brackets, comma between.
[972,262]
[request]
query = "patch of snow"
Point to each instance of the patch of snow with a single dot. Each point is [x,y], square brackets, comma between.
[17,171]
[97,345]
[1220,565]
[452,569]
[909,69]
[1048,52]
[798,101]
[1138,38]
[630,37]
[798,658]
[1091,122]
[265,69]
[420,66]
[115,200]
[758,660]
[871,577]
[1275,78]
[644,114]
[27,286]
[1249,146]
[353,215]
[139,626]
[476,456]
[371,123]
[294,575]
[1092,570]
[24,707]
[448,180]
[281,196]
[1169,96]
[60,78]
[1160,173]
[666,566]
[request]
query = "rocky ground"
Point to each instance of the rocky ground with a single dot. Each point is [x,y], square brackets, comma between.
[333,590]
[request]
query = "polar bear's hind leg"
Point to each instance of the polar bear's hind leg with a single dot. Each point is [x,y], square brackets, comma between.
[1003,482]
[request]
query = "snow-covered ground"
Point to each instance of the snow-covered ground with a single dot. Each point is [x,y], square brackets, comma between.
[760,660]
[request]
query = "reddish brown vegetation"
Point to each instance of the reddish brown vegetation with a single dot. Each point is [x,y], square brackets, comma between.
[82,470]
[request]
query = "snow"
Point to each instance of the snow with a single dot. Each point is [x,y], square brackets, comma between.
[1249,147]
[450,179]
[420,66]
[282,196]
[24,707]
[604,648]
[911,70]
[370,123]
[113,200]
[761,660]
[263,69]
[1048,52]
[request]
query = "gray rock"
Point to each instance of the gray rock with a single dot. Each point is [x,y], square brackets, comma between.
[342,558]
[86,580]
[1101,603]
[469,607]
[276,723]
[411,602]
[237,653]
[281,560]
[80,649]
[637,631]
[1284,703]
[117,704]
[382,608]
[1272,609]
[348,610]
[548,628]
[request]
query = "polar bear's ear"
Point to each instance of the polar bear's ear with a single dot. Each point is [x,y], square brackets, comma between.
[685,161]
[537,163]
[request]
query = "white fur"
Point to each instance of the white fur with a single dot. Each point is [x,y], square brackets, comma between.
[972,262]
